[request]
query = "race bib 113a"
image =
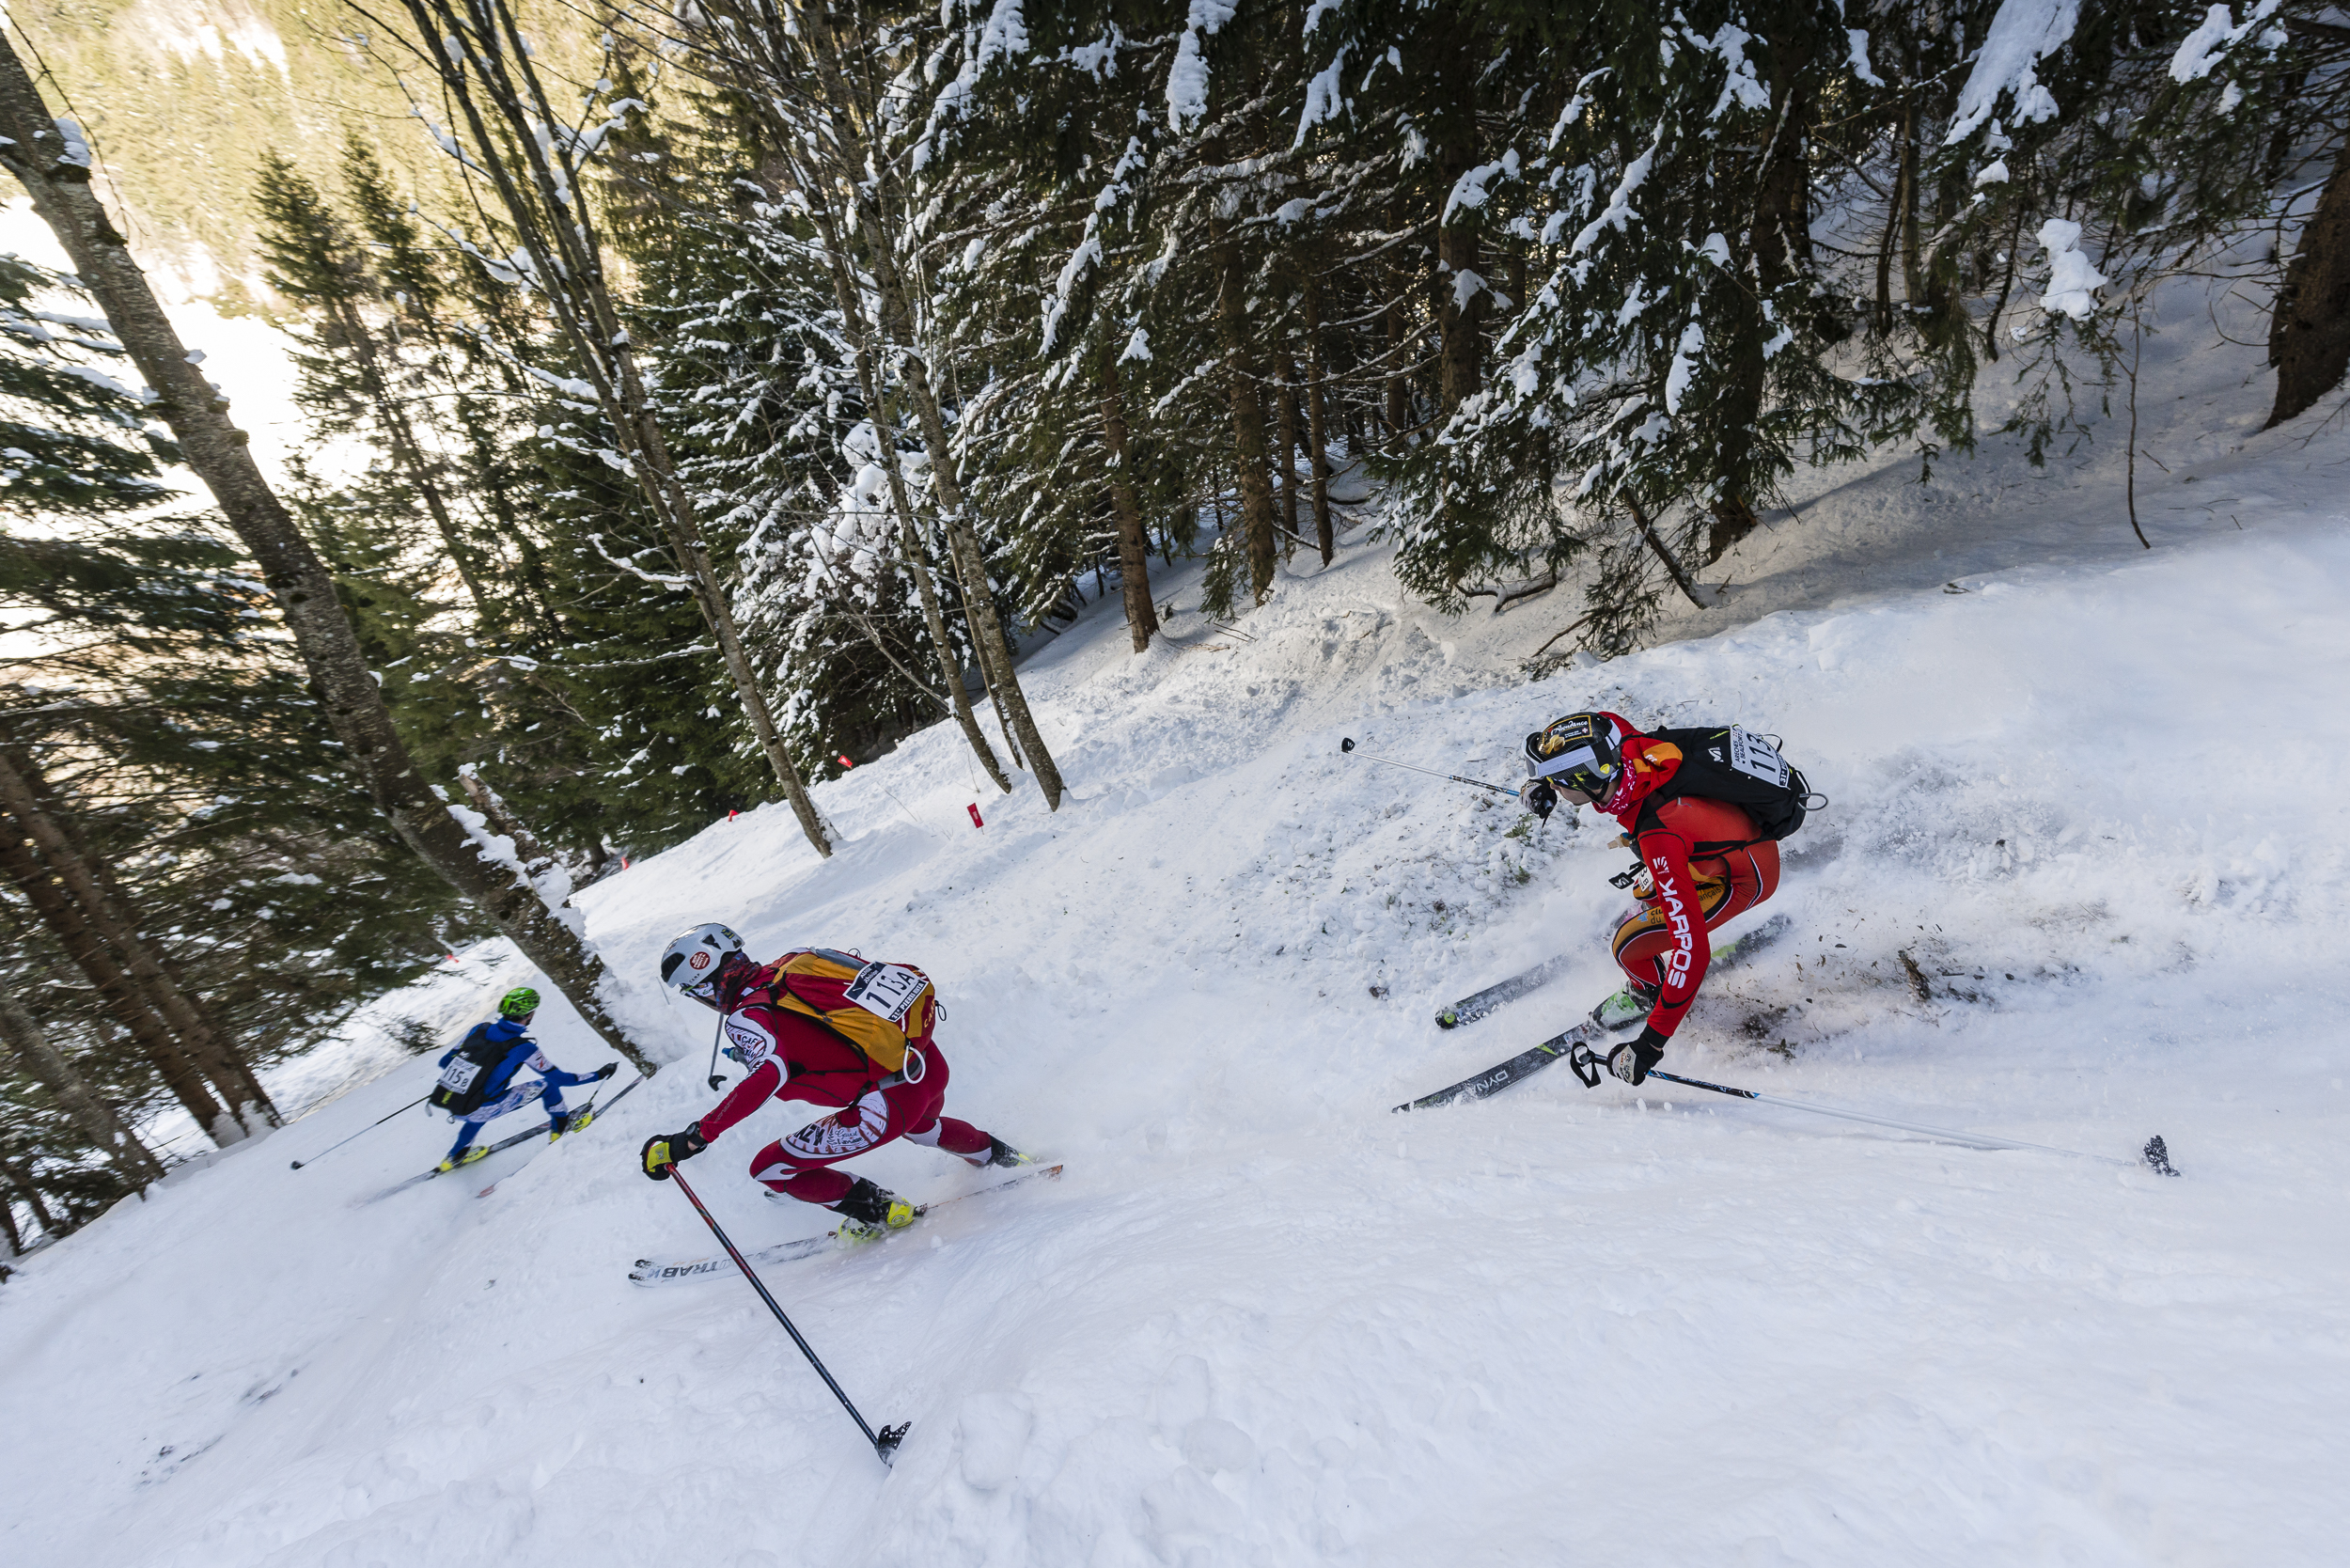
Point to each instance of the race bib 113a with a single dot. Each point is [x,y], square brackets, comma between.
[887,990]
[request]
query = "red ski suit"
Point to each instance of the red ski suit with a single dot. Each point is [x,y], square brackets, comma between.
[791,1056]
[1665,944]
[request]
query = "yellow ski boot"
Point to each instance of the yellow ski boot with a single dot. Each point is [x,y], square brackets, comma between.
[479,1151]
[870,1212]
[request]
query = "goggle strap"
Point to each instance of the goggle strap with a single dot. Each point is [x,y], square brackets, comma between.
[1583,758]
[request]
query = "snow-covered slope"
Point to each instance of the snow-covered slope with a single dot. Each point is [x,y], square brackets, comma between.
[1264,1320]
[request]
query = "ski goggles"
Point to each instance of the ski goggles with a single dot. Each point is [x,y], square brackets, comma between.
[1579,770]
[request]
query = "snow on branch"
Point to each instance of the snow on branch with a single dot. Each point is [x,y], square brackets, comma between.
[2024,33]
[1187,78]
[2209,44]
[1324,94]
[1618,214]
[2071,279]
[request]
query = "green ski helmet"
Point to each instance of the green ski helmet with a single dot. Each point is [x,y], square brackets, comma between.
[519,1003]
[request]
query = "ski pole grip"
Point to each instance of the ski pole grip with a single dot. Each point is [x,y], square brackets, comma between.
[1584,1063]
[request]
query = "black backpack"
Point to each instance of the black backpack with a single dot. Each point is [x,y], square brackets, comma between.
[465,1081]
[1746,770]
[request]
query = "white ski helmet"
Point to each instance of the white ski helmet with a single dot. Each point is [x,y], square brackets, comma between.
[693,962]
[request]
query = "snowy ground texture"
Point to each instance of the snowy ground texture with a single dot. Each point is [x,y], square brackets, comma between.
[2095,793]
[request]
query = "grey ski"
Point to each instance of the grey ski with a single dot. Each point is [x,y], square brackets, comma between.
[1533,1059]
[1469,1009]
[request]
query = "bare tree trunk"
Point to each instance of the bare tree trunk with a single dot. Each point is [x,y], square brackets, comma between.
[1913,276]
[934,611]
[21,1181]
[1648,531]
[897,316]
[1397,387]
[1779,241]
[1459,366]
[97,1119]
[2309,333]
[8,1223]
[979,596]
[1895,204]
[499,815]
[2007,284]
[408,453]
[89,954]
[1317,426]
[860,334]
[118,925]
[1133,544]
[304,590]
[1286,428]
[478,52]
[1248,435]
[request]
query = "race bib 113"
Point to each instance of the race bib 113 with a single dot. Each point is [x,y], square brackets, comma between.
[1757,758]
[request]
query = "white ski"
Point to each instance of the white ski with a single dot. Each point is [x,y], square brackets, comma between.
[651,1271]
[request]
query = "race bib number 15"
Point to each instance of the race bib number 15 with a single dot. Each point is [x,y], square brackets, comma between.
[887,990]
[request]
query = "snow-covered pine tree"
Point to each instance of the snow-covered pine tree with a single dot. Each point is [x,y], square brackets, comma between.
[828,87]
[1036,174]
[170,779]
[534,170]
[52,159]
[1683,349]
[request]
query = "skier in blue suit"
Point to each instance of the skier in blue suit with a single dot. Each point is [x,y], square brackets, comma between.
[500,1093]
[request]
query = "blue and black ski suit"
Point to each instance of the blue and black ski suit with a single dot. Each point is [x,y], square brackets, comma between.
[522,1052]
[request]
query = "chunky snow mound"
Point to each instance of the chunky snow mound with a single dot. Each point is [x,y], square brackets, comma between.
[1262,1320]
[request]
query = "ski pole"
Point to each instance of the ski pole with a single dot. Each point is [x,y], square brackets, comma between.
[886,1444]
[1454,778]
[720,1033]
[369,1128]
[1588,1065]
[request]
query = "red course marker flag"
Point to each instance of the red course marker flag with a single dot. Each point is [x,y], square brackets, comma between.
[974,809]
[846,764]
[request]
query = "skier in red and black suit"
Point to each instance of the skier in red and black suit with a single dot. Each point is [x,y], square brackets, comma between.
[831,1029]
[1703,808]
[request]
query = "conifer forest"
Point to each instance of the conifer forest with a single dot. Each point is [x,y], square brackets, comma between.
[698,400]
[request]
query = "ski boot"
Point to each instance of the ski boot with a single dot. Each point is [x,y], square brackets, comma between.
[1628,1006]
[869,1212]
[571,1122]
[1001,1156]
[465,1156]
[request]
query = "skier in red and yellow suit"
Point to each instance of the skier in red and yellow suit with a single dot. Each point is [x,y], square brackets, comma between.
[826,1028]
[1703,863]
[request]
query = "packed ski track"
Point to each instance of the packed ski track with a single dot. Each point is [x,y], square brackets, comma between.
[2090,794]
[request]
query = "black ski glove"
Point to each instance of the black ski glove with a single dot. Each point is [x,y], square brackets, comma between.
[1539,798]
[1632,1059]
[663,1152]
[608,1070]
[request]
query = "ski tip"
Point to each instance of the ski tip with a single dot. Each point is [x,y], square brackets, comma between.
[2157,1156]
